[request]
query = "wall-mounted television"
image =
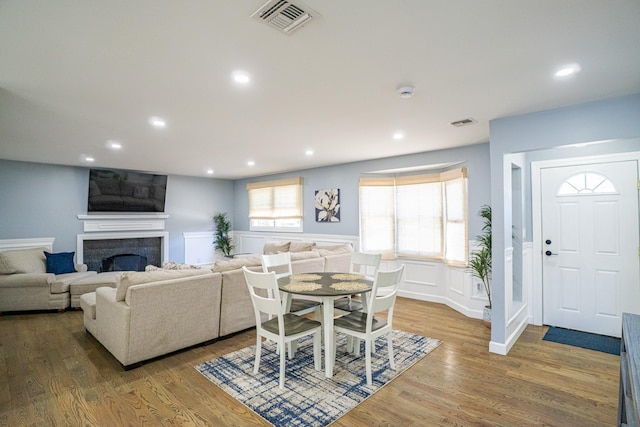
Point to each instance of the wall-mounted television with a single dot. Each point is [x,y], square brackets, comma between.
[112,190]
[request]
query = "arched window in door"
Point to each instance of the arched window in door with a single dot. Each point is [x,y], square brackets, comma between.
[586,183]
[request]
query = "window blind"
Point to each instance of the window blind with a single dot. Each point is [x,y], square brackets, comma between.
[279,199]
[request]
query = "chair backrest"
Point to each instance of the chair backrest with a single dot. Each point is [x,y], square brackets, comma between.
[389,281]
[279,263]
[366,264]
[264,302]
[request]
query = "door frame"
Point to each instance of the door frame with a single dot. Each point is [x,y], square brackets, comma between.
[535,298]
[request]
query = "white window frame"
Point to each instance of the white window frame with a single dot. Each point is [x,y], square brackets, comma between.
[265,211]
[369,242]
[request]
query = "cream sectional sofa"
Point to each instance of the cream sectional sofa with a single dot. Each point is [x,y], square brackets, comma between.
[153,313]
[26,285]
[156,312]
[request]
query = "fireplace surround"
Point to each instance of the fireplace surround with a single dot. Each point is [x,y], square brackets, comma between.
[139,237]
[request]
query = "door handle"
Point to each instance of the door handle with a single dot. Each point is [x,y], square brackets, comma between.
[549,253]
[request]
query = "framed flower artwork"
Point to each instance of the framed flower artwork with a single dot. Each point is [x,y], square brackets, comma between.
[328,205]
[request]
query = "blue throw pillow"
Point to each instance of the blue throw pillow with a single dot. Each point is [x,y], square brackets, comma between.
[60,263]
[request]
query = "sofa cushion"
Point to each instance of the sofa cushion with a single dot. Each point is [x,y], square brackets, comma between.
[23,261]
[273,247]
[296,256]
[127,279]
[236,263]
[334,250]
[301,246]
[60,263]
[62,281]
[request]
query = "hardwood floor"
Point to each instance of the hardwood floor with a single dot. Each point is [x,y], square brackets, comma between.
[53,373]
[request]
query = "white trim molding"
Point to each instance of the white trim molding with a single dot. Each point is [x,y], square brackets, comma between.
[11,244]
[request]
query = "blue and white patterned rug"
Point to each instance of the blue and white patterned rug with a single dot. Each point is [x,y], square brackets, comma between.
[309,398]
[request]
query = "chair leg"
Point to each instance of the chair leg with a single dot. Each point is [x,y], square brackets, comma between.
[390,347]
[256,363]
[367,354]
[283,358]
[317,344]
[356,346]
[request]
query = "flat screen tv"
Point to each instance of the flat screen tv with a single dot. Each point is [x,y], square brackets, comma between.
[112,190]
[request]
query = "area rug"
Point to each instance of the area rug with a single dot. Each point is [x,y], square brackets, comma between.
[586,340]
[309,398]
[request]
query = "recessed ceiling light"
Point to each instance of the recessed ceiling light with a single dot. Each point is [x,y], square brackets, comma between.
[251,163]
[210,171]
[567,70]
[241,77]
[398,136]
[309,153]
[113,145]
[157,122]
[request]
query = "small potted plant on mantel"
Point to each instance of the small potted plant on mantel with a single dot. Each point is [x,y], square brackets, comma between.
[480,261]
[223,240]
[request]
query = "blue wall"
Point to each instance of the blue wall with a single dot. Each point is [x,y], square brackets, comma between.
[41,200]
[617,118]
[345,177]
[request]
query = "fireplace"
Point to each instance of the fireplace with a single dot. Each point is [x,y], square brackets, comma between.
[126,251]
[124,254]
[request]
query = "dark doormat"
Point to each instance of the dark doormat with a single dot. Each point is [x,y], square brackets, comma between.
[595,342]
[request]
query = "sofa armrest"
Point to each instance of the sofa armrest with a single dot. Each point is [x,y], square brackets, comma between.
[112,323]
[22,280]
[81,267]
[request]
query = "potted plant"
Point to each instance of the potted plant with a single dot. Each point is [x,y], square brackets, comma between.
[480,261]
[223,240]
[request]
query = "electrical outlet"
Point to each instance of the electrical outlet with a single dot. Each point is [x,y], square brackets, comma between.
[479,286]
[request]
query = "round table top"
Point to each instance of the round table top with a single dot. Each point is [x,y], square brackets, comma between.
[325,284]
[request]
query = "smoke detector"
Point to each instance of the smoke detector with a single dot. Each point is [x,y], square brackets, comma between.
[406,91]
[283,15]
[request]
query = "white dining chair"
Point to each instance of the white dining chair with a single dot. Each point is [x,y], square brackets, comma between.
[282,328]
[368,327]
[361,263]
[280,264]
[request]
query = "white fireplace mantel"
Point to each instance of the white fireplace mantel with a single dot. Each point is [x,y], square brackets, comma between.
[109,223]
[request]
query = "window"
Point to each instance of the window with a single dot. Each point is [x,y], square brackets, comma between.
[586,183]
[421,216]
[275,205]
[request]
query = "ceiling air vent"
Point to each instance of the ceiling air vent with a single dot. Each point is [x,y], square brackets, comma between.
[463,122]
[283,15]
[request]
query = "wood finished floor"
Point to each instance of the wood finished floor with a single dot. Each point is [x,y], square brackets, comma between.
[53,373]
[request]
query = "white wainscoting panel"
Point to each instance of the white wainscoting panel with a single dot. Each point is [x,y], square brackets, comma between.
[199,248]
[11,244]
[456,281]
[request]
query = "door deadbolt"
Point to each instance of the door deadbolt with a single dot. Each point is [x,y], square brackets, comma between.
[548,242]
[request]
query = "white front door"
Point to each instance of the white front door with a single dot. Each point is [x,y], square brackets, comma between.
[590,245]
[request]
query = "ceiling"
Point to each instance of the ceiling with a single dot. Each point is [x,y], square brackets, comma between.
[76,74]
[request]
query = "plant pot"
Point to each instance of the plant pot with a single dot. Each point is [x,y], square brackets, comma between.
[486,316]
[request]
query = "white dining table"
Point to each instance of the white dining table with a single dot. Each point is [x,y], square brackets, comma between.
[327,286]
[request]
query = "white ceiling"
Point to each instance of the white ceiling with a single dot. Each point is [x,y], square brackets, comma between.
[74,74]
